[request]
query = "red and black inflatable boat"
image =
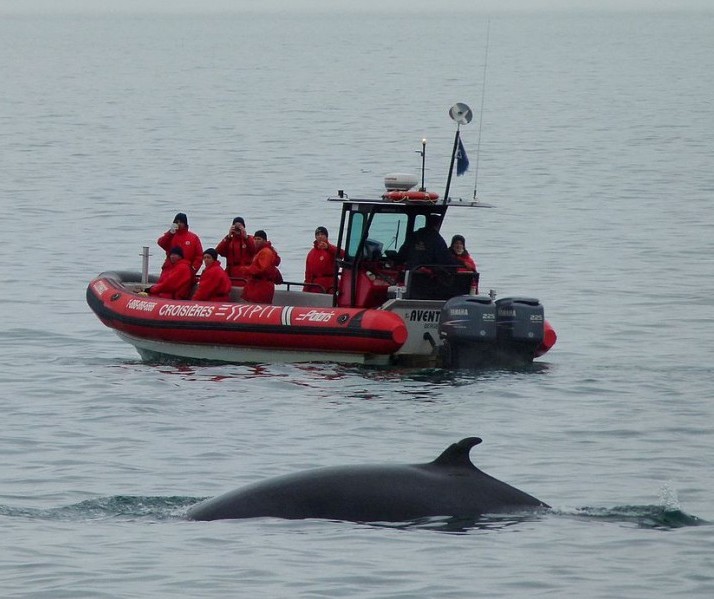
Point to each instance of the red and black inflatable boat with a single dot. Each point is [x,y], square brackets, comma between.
[242,332]
[384,309]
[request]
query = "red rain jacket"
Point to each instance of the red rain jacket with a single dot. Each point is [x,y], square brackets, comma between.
[262,274]
[239,251]
[467,261]
[320,269]
[214,285]
[189,243]
[175,281]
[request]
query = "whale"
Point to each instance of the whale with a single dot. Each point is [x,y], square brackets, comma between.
[449,486]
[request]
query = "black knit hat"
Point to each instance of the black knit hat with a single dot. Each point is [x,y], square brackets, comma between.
[322,230]
[181,218]
[211,252]
[239,219]
[176,250]
[456,238]
[262,234]
[433,220]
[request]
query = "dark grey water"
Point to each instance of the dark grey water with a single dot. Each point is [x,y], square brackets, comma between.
[597,145]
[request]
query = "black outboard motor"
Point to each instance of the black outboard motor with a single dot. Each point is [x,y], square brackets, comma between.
[467,326]
[519,322]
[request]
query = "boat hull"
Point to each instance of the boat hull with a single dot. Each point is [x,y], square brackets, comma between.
[160,351]
[230,331]
[464,332]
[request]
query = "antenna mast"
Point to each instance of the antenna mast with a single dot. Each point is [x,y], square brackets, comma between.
[461,114]
[483,95]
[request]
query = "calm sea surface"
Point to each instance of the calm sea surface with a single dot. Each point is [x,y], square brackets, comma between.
[597,150]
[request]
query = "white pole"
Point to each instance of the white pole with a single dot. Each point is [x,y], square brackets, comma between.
[145,265]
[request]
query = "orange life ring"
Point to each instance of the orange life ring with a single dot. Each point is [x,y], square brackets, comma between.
[419,196]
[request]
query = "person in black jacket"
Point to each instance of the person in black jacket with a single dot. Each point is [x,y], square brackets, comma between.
[426,246]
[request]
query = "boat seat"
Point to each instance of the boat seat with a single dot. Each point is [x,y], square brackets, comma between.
[235,295]
[285,297]
[437,283]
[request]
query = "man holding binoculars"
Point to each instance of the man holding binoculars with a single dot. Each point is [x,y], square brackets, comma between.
[238,247]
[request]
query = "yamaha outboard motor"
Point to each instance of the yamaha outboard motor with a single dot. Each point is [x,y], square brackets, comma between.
[467,326]
[519,322]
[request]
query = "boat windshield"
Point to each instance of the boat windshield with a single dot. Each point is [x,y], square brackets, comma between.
[387,232]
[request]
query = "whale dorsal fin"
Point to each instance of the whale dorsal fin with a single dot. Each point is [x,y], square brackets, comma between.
[457,454]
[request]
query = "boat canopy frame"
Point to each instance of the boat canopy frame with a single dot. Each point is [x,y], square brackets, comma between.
[359,245]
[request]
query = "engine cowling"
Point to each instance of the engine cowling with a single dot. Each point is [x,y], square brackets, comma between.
[467,327]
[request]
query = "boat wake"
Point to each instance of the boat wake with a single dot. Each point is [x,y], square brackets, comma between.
[157,508]
[656,517]
[118,507]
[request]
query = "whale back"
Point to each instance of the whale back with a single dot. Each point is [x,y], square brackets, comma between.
[448,486]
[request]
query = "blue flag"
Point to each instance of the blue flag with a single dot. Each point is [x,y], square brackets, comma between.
[462,160]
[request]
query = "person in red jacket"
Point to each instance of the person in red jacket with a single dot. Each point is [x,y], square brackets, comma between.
[188,241]
[214,284]
[237,247]
[320,264]
[263,273]
[176,279]
[458,249]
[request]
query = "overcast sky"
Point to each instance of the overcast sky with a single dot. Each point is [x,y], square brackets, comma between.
[411,6]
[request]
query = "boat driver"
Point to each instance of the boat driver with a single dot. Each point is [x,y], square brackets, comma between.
[426,246]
